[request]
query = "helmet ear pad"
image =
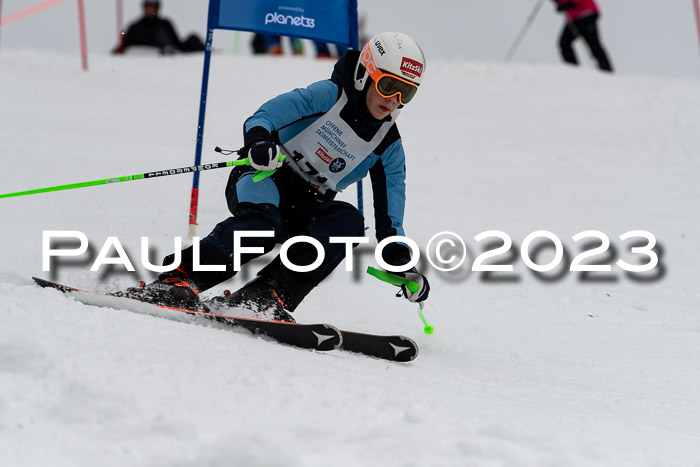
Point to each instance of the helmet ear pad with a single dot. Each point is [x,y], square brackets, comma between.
[361,75]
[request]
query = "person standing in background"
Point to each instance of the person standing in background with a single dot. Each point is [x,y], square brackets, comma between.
[151,30]
[581,20]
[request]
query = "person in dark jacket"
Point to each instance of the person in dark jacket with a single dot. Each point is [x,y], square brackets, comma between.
[581,20]
[314,142]
[154,31]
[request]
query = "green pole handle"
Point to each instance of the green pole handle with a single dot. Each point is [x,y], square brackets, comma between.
[260,174]
[395,279]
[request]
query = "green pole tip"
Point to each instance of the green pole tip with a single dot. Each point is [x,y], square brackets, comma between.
[427,328]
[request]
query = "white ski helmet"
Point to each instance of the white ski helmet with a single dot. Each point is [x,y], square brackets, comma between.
[394,53]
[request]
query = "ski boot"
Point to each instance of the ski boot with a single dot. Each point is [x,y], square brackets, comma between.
[173,291]
[261,298]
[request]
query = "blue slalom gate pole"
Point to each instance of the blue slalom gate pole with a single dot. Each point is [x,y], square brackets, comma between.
[194,198]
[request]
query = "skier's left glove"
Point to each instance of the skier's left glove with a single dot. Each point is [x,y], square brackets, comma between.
[421,294]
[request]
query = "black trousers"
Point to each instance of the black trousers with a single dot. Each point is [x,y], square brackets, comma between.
[586,27]
[289,207]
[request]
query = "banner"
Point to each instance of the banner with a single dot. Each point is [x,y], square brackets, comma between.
[333,21]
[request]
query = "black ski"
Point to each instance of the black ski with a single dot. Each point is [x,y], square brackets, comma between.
[395,348]
[311,336]
[308,336]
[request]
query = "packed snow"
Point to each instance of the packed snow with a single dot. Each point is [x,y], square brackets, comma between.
[559,368]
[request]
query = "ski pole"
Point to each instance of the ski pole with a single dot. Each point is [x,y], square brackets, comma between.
[524,29]
[259,175]
[427,328]
[395,279]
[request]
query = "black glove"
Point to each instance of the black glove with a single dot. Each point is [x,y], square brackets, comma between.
[262,155]
[565,6]
[421,294]
[398,254]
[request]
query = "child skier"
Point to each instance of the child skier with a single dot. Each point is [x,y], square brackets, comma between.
[331,134]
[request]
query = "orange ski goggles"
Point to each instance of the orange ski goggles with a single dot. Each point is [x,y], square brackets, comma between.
[388,85]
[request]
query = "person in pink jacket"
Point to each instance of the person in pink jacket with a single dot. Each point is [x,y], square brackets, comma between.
[581,20]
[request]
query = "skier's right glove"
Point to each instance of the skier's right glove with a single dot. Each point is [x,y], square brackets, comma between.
[263,155]
[419,295]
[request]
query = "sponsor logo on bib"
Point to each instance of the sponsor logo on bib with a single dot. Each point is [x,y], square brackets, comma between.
[323,155]
[337,165]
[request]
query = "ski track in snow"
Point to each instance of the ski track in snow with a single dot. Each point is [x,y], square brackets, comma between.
[559,372]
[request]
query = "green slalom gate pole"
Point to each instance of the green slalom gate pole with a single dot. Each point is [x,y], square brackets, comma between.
[259,175]
[396,279]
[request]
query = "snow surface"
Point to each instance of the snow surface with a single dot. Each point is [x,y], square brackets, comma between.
[558,369]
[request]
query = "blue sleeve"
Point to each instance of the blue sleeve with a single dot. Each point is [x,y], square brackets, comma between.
[389,189]
[292,106]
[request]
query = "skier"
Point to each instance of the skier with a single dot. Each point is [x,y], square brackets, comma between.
[581,19]
[331,134]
